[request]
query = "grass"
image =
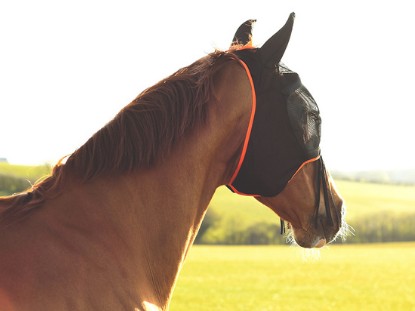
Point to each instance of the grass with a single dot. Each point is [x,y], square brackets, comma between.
[362,199]
[31,173]
[345,277]
[369,198]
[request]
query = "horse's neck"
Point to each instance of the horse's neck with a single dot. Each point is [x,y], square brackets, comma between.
[151,216]
[145,221]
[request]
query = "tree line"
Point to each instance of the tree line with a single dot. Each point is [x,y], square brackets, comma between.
[383,227]
[10,184]
[376,228]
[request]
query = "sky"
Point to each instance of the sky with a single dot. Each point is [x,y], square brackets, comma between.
[67,67]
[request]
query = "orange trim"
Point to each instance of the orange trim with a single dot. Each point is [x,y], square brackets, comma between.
[248,132]
[244,194]
[249,45]
[305,163]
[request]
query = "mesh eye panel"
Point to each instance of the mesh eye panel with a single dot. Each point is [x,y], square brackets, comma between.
[305,120]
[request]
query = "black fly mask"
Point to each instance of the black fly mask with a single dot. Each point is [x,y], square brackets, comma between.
[284,132]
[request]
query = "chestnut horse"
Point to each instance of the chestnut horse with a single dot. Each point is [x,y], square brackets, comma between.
[110,228]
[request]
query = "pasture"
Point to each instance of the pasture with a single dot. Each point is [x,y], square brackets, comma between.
[344,277]
[16,178]
[361,199]
[29,172]
[379,212]
[282,277]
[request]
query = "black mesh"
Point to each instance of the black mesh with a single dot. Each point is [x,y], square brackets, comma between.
[305,118]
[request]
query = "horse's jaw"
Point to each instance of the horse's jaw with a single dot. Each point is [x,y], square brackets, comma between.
[312,223]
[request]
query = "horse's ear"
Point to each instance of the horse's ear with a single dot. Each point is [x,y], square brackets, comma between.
[243,34]
[273,50]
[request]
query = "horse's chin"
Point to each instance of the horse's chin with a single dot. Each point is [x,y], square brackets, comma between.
[308,239]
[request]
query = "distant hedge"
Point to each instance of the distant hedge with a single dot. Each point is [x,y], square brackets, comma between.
[231,232]
[384,227]
[17,178]
[10,184]
[376,228]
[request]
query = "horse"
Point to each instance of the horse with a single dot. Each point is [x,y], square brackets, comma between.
[110,228]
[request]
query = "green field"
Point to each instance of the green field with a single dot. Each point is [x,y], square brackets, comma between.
[360,198]
[17,178]
[345,277]
[378,212]
[31,173]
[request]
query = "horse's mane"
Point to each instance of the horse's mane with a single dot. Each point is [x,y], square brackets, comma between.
[139,136]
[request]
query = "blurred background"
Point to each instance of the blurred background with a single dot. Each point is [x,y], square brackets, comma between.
[66,68]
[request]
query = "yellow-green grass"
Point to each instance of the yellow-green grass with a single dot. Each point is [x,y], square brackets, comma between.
[361,199]
[345,277]
[28,172]
[369,198]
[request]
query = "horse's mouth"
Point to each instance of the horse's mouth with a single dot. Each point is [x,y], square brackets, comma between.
[307,240]
[313,237]
[320,231]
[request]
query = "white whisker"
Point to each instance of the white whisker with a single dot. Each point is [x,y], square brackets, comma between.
[306,254]
[345,229]
[310,254]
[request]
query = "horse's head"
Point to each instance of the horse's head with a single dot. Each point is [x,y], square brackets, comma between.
[281,164]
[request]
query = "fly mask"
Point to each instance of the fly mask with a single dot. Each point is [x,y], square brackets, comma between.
[284,133]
